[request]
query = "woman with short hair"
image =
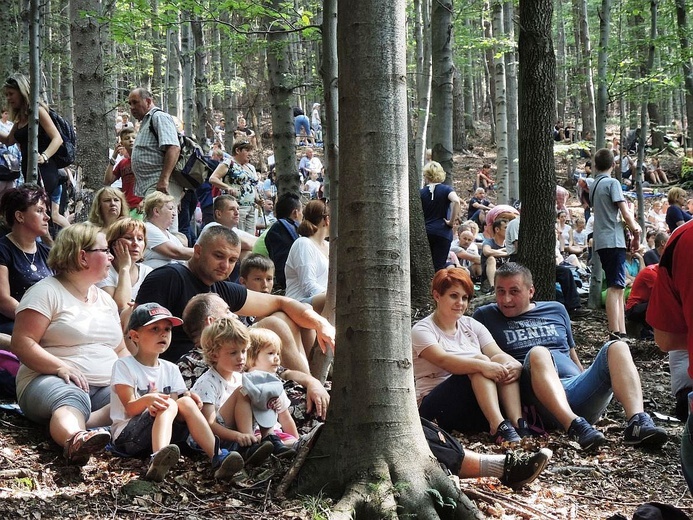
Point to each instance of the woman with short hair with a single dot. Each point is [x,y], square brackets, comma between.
[441,205]
[23,257]
[163,247]
[67,336]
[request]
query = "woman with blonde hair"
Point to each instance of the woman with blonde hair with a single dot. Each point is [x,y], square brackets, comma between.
[441,205]
[127,240]
[109,205]
[67,336]
[676,215]
[308,261]
[163,247]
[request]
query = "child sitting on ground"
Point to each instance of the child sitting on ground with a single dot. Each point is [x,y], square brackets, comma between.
[150,407]
[224,346]
[265,392]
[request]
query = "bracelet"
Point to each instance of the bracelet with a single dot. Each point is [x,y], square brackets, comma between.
[45,157]
[112,161]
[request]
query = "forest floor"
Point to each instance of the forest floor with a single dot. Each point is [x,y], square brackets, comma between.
[35,483]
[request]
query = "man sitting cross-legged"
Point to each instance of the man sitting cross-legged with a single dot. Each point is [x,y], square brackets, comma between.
[538,334]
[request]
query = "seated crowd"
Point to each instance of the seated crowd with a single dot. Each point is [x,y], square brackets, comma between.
[124,323]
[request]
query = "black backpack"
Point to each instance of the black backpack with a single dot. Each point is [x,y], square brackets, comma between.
[65,156]
[444,446]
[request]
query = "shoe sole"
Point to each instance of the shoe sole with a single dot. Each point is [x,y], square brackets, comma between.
[94,444]
[541,464]
[594,444]
[260,455]
[232,464]
[162,463]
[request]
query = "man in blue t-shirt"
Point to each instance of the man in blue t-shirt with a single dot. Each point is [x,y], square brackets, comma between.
[538,334]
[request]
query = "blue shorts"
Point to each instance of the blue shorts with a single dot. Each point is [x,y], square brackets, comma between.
[46,393]
[302,122]
[136,439]
[588,393]
[613,265]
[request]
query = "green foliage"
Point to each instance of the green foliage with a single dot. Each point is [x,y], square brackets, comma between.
[318,506]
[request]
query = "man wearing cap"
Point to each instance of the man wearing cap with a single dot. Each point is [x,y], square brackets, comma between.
[214,258]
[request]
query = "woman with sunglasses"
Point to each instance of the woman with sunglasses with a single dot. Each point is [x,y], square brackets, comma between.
[67,336]
[17,93]
[236,176]
[23,258]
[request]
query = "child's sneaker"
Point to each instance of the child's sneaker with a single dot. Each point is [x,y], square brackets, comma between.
[641,431]
[522,468]
[227,464]
[506,433]
[585,434]
[162,462]
[80,447]
[257,453]
[279,449]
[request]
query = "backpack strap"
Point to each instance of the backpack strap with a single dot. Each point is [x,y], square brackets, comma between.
[152,126]
[592,190]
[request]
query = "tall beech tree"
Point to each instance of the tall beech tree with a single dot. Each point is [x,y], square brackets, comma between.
[371,451]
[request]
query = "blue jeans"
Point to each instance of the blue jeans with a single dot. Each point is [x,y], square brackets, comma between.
[687,449]
[588,393]
[302,122]
[136,439]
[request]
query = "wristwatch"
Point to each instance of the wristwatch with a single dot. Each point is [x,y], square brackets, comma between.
[112,161]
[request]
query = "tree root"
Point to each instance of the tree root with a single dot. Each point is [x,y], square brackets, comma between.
[398,490]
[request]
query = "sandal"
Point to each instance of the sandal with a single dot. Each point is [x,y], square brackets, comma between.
[83,444]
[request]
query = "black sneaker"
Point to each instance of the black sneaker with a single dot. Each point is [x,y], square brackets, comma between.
[585,434]
[523,429]
[162,462]
[257,453]
[522,468]
[579,313]
[641,431]
[280,450]
[506,433]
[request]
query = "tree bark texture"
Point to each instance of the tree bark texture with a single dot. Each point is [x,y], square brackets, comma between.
[372,444]
[459,133]
[584,67]
[89,81]
[537,170]
[423,79]
[511,102]
[441,85]
[187,51]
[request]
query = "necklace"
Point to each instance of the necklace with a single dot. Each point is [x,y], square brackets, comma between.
[33,258]
[86,298]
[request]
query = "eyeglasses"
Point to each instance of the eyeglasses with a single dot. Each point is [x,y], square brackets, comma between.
[106,250]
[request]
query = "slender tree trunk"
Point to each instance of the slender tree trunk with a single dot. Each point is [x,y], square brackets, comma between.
[441,90]
[511,88]
[537,169]
[459,134]
[187,52]
[501,107]
[423,79]
[682,23]
[173,71]
[561,75]
[34,14]
[157,51]
[373,387]
[488,75]
[89,81]
[201,80]
[585,68]
[604,30]
[280,91]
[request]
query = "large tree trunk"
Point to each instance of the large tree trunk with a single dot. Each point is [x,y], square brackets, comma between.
[280,91]
[90,112]
[501,107]
[604,30]
[682,22]
[537,170]
[441,91]
[371,451]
